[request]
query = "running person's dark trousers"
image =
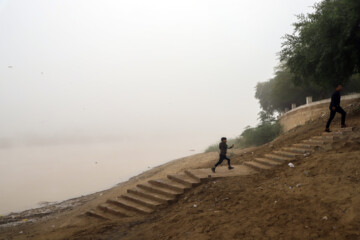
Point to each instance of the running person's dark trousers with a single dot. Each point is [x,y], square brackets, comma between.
[221,159]
[332,115]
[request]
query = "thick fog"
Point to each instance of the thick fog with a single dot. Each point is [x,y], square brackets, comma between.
[165,69]
[158,77]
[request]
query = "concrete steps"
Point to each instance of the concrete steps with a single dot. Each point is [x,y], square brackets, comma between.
[335,134]
[304,146]
[193,176]
[287,154]
[130,205]
[184,179]
[268,162]
[152,195]
[314,142]
[149,196]
[108,211]
[94,214]
[347,129]
[159,189]
[298,150]
[169,185]
[142,201]
[326,138]
[278,157]
[146,197]
[257,166]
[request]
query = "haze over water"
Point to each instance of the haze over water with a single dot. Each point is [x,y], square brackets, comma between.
[94,92]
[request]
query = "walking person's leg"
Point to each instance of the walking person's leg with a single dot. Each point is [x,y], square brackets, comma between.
[332,115]
[343,116]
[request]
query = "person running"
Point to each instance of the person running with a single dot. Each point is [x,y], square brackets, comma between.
[335,107]
[223,149]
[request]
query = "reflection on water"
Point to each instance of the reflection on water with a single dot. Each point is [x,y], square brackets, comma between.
[33,174]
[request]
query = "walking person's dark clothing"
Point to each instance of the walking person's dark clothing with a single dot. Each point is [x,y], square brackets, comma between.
[332,115]
[335,107]
[223,149]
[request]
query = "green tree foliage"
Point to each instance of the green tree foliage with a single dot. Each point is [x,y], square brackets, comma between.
[280,92]
[259,135]
[267,130]
[325,46]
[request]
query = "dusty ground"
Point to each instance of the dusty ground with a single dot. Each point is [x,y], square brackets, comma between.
[318,199]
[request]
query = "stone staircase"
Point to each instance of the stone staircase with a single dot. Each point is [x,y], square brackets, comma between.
[146,197]
[155,194]
[298,150]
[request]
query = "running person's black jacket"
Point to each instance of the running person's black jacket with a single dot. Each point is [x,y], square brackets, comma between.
[223,148]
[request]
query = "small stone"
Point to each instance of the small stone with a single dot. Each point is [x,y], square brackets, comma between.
[195,206]
[325,218]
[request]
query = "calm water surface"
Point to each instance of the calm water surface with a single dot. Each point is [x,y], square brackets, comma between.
[32,174]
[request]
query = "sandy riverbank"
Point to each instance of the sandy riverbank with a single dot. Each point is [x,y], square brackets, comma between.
[66,213]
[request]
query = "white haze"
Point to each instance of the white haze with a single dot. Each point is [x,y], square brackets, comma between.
[159,78]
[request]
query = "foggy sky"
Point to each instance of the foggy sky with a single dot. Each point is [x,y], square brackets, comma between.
[181,72]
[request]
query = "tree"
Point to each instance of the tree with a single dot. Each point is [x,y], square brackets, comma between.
[280,92]
[325,46]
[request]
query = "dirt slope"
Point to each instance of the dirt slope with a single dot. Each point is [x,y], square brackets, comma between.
[318,199]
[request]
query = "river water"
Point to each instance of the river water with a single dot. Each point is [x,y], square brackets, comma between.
[30,174]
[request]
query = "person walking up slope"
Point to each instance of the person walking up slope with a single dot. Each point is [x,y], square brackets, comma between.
[335,107]
[223,149]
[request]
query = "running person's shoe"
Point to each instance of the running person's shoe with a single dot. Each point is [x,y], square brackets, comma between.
[230,167]
[343,126]
[213,170]
[327,130]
